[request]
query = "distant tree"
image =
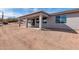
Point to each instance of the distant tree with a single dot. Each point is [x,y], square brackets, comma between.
[0,19]
[11,20]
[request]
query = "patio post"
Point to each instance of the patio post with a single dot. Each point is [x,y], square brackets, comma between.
[35,22]
[40,22]
[26,22]
[19,22]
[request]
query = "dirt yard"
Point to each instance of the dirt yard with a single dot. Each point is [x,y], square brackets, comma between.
[12,37]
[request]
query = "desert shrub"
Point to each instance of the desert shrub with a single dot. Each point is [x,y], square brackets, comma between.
[10,20]
[5,23]
[0,20]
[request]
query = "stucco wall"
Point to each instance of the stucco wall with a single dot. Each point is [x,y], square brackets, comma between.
[72,22]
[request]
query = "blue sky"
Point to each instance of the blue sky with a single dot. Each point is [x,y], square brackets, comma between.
[16,12]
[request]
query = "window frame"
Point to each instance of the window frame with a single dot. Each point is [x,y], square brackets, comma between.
[61,18]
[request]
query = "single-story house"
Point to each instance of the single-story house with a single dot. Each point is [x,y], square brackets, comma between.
[64,20]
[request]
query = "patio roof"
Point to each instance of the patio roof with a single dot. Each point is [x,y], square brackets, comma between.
[35,14]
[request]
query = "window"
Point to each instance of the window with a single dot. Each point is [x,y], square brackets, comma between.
[61,19]
[44,21]
[57,19]
[37,21]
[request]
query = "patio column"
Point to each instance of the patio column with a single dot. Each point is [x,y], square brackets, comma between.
[35,21]
[19,22]
[40,22]
[26,23]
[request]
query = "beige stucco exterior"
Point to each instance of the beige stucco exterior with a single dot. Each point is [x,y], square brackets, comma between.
[72,22]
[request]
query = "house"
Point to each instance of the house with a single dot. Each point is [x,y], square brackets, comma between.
[61,20]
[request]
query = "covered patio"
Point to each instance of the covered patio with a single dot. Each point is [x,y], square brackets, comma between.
[35,20]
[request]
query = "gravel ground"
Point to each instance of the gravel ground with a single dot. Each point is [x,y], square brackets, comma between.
[14,38]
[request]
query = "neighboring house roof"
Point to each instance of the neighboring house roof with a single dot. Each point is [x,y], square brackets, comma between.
[66,12]
[52,14]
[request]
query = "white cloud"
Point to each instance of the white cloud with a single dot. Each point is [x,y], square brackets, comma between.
[8,13]
[35,9]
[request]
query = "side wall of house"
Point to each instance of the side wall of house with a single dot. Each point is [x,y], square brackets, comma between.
[72,22]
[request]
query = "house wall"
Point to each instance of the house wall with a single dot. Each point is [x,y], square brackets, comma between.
[72,22]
